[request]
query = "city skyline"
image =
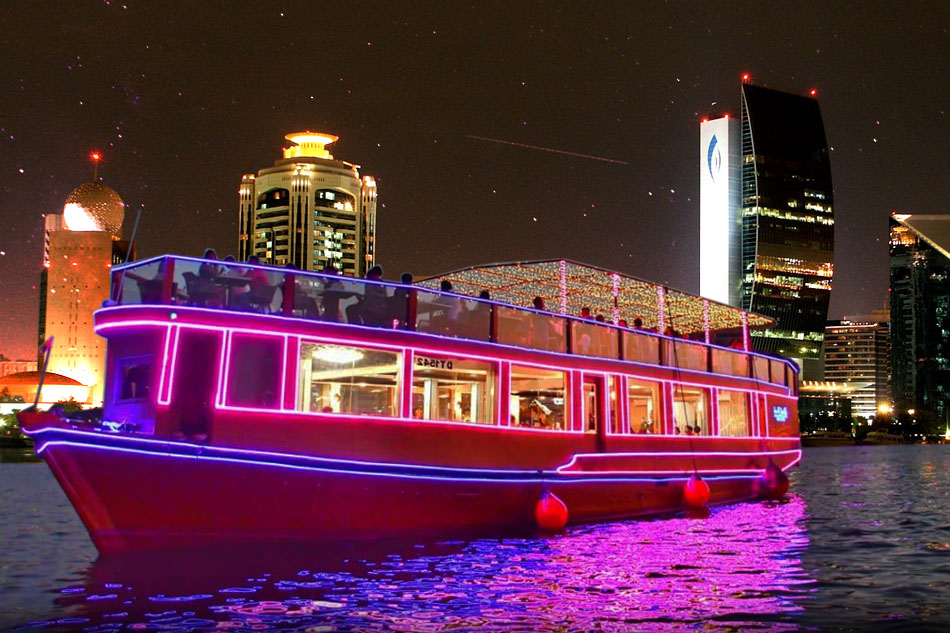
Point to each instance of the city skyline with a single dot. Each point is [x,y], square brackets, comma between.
[180,103]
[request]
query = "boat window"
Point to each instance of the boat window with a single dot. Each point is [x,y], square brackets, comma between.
[452,389]
[135,378]
[690,410]
[643,403]
[733,413]
[345,379]
[538,398]
[254,371]
[615,396]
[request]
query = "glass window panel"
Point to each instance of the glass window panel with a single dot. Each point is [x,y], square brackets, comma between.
[690,405]
[452,315]
[778,372]
[734,363]
[352,380]
[538,398]
[452,389]
[594,339]
[616,421]
[254,371]
[685,355]
[760,368]
[135,378]
[537,330]
[643,404]
[733,413]
[641,347]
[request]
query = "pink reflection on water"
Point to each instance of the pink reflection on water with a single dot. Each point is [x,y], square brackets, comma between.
[739,568]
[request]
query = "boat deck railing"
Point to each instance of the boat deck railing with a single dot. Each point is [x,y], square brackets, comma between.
[217,284]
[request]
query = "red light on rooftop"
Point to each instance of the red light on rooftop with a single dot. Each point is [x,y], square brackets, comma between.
[746,77]
[813,93]
[96,156]
[704,120]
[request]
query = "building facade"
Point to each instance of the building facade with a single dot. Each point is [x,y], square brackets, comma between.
[309,210]
[824,406]
[82,245]
[784,214]
[857,354]
[920,313]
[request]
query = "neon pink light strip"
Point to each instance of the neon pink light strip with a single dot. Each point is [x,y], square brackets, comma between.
[228,331]
[224,353]
[311,322]
[599,457]
[168,368]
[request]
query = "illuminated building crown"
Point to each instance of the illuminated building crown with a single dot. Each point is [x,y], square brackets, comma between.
[93,206]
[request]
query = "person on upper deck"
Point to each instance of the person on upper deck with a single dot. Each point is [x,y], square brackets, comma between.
[331,295]
[399,303]
[638,323]
[585,312]
[372,310]
[538,303]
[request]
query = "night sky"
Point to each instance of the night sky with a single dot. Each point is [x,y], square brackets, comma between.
[183,100]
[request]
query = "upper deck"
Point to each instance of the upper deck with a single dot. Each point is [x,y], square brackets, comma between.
[241,287]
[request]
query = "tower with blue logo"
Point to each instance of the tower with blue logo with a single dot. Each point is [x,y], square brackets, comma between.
[782,203]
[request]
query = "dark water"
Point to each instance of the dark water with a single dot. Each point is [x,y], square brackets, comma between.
[862,544]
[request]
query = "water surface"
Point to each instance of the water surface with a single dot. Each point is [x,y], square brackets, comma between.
[863,543]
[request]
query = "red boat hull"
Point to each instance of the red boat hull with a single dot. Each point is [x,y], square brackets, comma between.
[138,494]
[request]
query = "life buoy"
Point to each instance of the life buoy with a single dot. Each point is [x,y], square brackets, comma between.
[696,492]
[550,512]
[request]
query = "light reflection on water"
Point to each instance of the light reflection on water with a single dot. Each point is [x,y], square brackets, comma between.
[862,544]
[737,566]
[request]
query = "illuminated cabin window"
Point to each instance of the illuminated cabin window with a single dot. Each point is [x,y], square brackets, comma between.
[538,398]
[643,404]
[733,413]
[135,378]
[690,407]
[351,380]
[254,371]
[452,389]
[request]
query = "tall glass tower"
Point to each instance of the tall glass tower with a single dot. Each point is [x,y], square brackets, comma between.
[920,313]
[787,212]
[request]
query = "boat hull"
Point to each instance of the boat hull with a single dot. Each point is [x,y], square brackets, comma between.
[139,494]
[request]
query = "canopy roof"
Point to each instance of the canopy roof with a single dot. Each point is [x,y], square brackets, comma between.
[568,286]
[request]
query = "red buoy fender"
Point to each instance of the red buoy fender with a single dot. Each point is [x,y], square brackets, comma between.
[774,482]
[550,512]
[696,492]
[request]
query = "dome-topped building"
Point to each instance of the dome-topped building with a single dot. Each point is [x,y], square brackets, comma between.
[82,244]
[93,206]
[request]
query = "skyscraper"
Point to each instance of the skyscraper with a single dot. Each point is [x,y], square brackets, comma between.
[309,210]
[920,312]
[857,354]
[81,246]
[783,212]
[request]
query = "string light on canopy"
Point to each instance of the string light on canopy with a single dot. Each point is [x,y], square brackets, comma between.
[571,286]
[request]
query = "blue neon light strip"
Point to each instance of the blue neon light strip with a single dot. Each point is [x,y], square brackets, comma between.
[339,466]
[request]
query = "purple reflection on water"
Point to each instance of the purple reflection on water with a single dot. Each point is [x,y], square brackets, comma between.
[738,567]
